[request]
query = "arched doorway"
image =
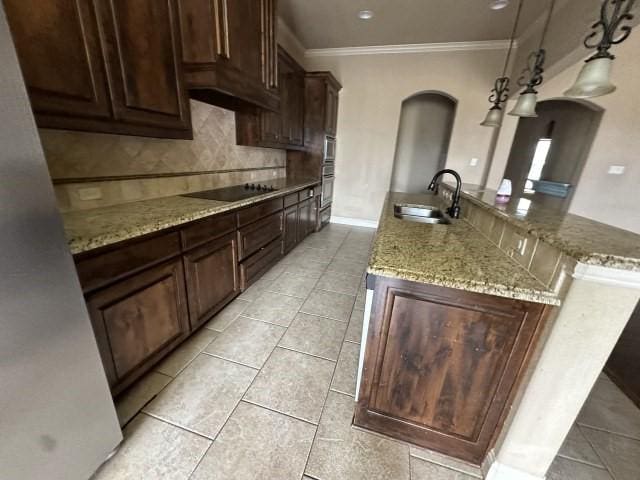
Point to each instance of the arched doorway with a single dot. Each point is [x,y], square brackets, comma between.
[549,152]
[424,132]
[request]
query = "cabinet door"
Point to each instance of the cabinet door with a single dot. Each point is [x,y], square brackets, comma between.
[212,278]
[58,45]
[305,215]
[290,228]
[441,364]
[331,112]
[296,108]
[144,63]
[138,320]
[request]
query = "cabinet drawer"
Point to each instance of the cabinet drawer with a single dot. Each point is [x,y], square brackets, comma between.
[291,199]
[255,266]
[251,214]
[304,194]
[212,278]
[207,229]
[255,236]
[98,270]
[138,320]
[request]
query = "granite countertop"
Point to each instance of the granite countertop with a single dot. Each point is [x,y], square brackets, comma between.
[455,256]
[580,238]
[90,229]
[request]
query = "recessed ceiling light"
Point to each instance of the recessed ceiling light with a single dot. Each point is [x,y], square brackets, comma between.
[365,14]
[498,4]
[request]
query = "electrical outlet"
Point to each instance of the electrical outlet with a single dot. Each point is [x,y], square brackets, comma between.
[474,162]
[89,193]
[616,170]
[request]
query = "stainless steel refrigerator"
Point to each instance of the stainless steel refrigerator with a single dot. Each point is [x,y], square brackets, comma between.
[57,419]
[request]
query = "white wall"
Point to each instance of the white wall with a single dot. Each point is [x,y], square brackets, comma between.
[369,113]
[607,198]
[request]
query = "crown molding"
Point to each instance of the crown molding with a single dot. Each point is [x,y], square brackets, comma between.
[409,48]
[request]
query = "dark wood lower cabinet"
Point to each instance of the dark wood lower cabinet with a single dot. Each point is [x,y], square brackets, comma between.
[305,218]
[290,228]
[212,278]
[139,320]
[147,295]
[441,365]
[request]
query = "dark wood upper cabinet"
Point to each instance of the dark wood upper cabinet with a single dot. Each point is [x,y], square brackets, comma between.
[321,107]
[58,43]
[441,365]
[230,51]
[284,128]
[103,66]
[144,56]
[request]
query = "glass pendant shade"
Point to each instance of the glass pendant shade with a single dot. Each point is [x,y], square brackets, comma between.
[526,106]
[593,80]
[494,118]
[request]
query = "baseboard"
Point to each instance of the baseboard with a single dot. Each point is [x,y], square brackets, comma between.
[356,222]
[500,471]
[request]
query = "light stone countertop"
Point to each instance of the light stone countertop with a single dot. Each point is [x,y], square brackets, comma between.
[580,238]
[454,256]
[90,229]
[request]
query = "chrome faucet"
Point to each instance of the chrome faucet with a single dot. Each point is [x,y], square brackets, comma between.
[454,209]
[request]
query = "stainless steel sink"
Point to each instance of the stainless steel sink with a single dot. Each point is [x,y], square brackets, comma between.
[420,213]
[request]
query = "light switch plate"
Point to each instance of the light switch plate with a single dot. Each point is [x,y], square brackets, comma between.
[616,170]
[474,162]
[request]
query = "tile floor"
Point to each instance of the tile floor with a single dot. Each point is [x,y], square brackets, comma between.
[266,391]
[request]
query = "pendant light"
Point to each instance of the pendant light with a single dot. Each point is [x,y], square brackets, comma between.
[500,91]
[528,99]
[594,78]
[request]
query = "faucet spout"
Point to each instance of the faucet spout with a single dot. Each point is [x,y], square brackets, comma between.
[454,209]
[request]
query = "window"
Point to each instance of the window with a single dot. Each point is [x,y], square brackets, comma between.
[539,159]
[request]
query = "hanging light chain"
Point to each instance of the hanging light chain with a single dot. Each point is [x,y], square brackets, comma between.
[612,14]
[535,63]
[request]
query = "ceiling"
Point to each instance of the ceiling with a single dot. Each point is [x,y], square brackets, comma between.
[335,23]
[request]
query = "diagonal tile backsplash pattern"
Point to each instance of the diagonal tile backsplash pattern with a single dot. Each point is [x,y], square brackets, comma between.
[93,170]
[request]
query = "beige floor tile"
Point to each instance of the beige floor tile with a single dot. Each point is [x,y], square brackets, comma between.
[361,299]
[329,304]
[315,335]
[445,461]
[129,403]
[258,444]
[274,308]
[247,341]
[563,469]
[154,449]
[274,272]
[317,255]
[323,243]
[576,447]
[227,315]
[185,353]
[354,332]
[293,285]
[339,283]
[307,269]
[607,408]
[348,267]
[255,290]
[203,396]
[292,383]
[344,380]
[421,470]
[354,254]
[621,455]
[341,452]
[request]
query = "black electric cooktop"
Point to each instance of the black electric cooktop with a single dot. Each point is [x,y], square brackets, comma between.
[235,193]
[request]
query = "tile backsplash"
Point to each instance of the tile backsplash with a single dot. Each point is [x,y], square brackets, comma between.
[92,170]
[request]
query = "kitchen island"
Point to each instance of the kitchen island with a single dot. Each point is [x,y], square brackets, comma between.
[465,321]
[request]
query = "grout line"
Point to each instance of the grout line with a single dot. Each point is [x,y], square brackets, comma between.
[604,430]
[593,447]
[306,353]
[271,409]
[229,360]
[177,425]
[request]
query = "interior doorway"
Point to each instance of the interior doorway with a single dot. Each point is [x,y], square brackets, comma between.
[549,151]
[424,133]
